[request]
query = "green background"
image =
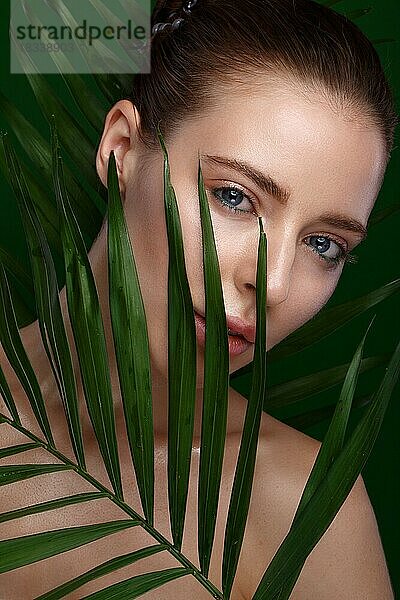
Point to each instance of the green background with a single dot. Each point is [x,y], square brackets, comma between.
[378,264]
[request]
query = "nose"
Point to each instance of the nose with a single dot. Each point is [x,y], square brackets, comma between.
[280,259]
[281,251]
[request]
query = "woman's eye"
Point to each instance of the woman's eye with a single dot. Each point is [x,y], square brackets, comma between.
[231,197]
[327,248]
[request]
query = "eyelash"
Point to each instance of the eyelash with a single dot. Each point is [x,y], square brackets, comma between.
[344,256]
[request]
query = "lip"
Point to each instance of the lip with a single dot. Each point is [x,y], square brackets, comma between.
[238,326]
[237,344]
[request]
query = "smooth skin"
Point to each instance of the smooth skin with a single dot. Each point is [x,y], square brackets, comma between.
[332,163]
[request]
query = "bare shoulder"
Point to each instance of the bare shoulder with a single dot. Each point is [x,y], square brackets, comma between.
[349,554]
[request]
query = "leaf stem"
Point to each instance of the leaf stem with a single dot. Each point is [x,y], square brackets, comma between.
[206,583]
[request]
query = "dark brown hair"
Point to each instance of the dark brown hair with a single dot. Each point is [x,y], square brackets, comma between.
[223,39]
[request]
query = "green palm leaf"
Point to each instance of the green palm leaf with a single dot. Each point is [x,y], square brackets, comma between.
[89,105]
[17,270]
[11,450]
[328,321]
[12,473]
[15,351]
[87,325]
[101,570]
[243,480]
[329,450]
[131,344]
[51,322]
[310,418]
[317,515]
[7,396]
[46,210]
[215,393]
[296,390]
[39,152]
[28,549]
[181,363]
[139,585]
[338,463]
[331,319]
[74,137]
[18,472]
[50,505]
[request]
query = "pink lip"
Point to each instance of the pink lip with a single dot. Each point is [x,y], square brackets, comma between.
[238,326]
[236,344]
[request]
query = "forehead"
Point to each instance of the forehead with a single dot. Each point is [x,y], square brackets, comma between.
[299,138]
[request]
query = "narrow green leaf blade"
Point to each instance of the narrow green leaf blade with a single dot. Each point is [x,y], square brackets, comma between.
[243,481]
[11,450]
[87,326]
[101,570]
[331,319]
[51,323]
[50,505]
[181,363]
[314,416]
[138,585]
[15,351]
[329,450]
[334,437]
[328,321]
[86,101]
[73,135]
[5,393]
[38,150]
[16,268]
[296,390]
[322,507]
[45,208]
[23,297]
[128,319]
[215,391]
[13,473]
[28,549]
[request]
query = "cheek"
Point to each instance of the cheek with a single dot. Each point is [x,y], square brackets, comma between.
[226,232]
[310,289]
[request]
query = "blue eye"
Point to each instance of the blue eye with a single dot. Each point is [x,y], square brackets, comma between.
[230,197]
[327,248]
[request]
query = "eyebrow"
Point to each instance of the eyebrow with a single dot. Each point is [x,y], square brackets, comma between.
[344,222]
[264,182]
[267,184]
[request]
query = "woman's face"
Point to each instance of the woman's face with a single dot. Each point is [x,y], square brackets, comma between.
[329,170]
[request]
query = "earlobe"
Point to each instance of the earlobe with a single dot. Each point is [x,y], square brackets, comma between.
[119,135]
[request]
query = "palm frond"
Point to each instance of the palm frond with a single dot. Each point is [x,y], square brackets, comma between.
[38,150]
[16,354]
[329,450]
[181,363]
[243,480]
[87,326]
[215,391]
[131,344]
[328,321]
[316,516]
[304,533]
[51,323]
[28,549]
[107,567]
[80,206]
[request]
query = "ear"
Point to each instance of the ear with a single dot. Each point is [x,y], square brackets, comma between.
[120,135]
